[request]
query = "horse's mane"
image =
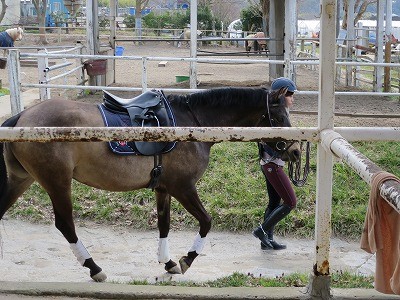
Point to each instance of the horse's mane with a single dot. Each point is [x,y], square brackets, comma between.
[221,97]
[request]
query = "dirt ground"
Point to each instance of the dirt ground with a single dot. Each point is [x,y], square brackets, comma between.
[32,252]
[39,253]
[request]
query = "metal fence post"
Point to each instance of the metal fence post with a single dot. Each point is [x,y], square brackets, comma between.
[43,63]
[144,74]
[80,74]
[13,67]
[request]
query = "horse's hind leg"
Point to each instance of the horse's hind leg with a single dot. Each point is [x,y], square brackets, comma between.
[163,214]
[15,188]
[59,191]
[14,180]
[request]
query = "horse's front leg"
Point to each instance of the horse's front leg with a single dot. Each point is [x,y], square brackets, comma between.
[163,215]
[191,202]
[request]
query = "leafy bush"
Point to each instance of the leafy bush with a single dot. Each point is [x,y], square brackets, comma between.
[129,21]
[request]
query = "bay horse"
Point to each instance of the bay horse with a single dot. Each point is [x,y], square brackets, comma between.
[54,164]
[8,37]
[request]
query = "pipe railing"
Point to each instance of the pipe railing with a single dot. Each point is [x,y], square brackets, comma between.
[330,139]
[201,60]
[365,168]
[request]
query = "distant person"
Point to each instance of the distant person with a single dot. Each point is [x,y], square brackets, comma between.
[278,184]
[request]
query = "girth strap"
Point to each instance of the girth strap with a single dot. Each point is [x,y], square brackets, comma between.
[156,172]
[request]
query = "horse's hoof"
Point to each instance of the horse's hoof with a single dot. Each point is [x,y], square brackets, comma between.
[174,270]
[99,277]
[184,265]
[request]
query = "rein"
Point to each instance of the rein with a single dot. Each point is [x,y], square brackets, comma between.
[192,113]
[263,115]
[294,168]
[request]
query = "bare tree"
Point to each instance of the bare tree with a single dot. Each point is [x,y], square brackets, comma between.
[140,5]
[40,6]
[225,10]
[360,7]
[3,9]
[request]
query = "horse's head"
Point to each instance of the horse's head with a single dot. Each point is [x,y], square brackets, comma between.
[15,33]
[278,116]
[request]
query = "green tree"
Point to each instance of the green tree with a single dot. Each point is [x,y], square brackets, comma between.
[180,19]
[129,21]
[58,17]
[251,18]
[205,17]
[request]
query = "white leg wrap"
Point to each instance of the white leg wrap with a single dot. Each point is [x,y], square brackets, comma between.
[198,244]
[163,250]
[80,251]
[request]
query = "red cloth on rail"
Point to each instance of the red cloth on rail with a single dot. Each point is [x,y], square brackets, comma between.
[381,235]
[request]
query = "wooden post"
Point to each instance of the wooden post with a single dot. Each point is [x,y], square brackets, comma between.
[379,45]
[276,32]
[92,32]
[388,46]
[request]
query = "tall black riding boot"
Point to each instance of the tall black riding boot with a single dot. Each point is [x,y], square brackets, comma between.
[275,244]
[274,217]
[267,212]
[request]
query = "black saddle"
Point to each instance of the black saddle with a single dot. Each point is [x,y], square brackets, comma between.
[150,109]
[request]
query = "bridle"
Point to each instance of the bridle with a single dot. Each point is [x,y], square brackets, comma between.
[294,168]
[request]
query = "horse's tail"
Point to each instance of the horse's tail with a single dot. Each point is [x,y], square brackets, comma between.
[11,122]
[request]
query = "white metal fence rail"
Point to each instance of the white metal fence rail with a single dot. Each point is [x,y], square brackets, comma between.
[44,69]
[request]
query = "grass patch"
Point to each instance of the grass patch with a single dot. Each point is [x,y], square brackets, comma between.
[233,192]
[338,280]
[4,91]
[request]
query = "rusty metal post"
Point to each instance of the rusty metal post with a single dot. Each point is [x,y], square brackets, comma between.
[319,285]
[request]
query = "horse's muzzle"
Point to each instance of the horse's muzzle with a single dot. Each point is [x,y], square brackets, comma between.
[293,153]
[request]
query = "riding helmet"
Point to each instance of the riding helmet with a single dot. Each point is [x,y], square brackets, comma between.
[283,82]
